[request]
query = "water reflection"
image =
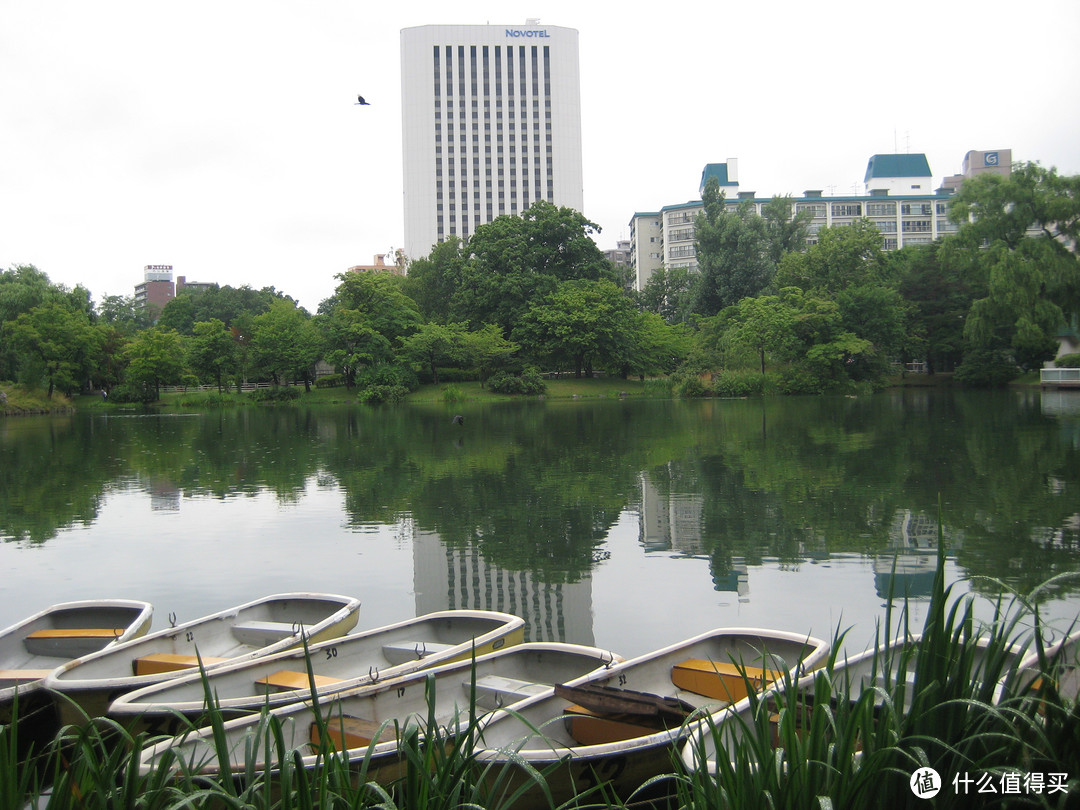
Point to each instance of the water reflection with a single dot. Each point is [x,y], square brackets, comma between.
[574,515]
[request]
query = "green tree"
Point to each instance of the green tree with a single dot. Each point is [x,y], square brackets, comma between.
[581,325]
[56,340]
[785,230]
[432,281]
[212,352]
[732,252]
[515,261]
[847,269]
[938,299]
[366,318]
[121,312]
[434,343]
[1016,246]
[488,350]
[669,293]
[285,343]
[656,346]
[230,305]
[154,358]
[764,324]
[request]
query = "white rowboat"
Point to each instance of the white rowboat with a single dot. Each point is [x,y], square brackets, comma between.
[34,647]
[619,727]
[86,686]
[368,722]
[336,665]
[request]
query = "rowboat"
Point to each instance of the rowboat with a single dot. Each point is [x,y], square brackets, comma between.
[85,687]
[365,724]
[888,669]
[619,726]
[1062,665]
[34,647]
[877,667]
[336,665]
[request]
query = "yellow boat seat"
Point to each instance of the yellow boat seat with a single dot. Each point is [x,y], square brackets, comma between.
[159,663]
[287,680]
[347,732]
[720,680]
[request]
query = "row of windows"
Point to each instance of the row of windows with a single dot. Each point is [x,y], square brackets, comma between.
[680,251]
[681,234]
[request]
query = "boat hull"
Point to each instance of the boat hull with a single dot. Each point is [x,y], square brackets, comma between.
[509,678]
[611,750]
[337,665]
[84,688]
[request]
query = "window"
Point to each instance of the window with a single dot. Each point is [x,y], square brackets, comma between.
[881,209]
[886,226]
[917,226]
[681,234]
[681,251]
[817,208]
[847,209]
[915,208]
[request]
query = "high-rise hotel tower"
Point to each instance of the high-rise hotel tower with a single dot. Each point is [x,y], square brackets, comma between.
[491,123]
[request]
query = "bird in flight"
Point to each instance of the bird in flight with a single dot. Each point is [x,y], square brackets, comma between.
[360,100]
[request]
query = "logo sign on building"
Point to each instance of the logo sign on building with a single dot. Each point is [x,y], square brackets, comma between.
[991,158]
[539,33]
[167,267]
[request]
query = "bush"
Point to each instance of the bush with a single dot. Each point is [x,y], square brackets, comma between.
[689,386]
[744,383]
[451,393]
[800,381]
[278,394]
[529,382]
[1068,361]
[206,400]
[658,386]
[387,374]
[378,394]
[330,381]
[986,368]
[133,393]
[448,375]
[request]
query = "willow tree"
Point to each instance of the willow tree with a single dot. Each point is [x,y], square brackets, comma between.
[1017,245]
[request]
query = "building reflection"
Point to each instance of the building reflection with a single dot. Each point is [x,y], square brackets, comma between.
[669,521]
[164,496]
[453,578]
[907,567]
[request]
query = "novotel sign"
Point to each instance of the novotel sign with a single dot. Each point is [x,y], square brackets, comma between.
[528,32]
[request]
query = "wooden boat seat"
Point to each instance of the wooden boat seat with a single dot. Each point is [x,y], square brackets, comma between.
[70,642]
[347,732]
[256,633]
[720,680]
[78,632]
[158,663]
[402,652]
[495,691]
[11,677]
[606,714]
[288,680]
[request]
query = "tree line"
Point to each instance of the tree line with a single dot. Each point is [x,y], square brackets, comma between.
[764,311]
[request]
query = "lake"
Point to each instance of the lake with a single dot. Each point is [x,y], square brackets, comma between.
[629,524]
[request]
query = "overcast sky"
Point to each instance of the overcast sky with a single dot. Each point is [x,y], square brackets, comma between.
[221,137]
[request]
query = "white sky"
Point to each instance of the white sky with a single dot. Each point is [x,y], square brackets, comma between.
[221,136]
